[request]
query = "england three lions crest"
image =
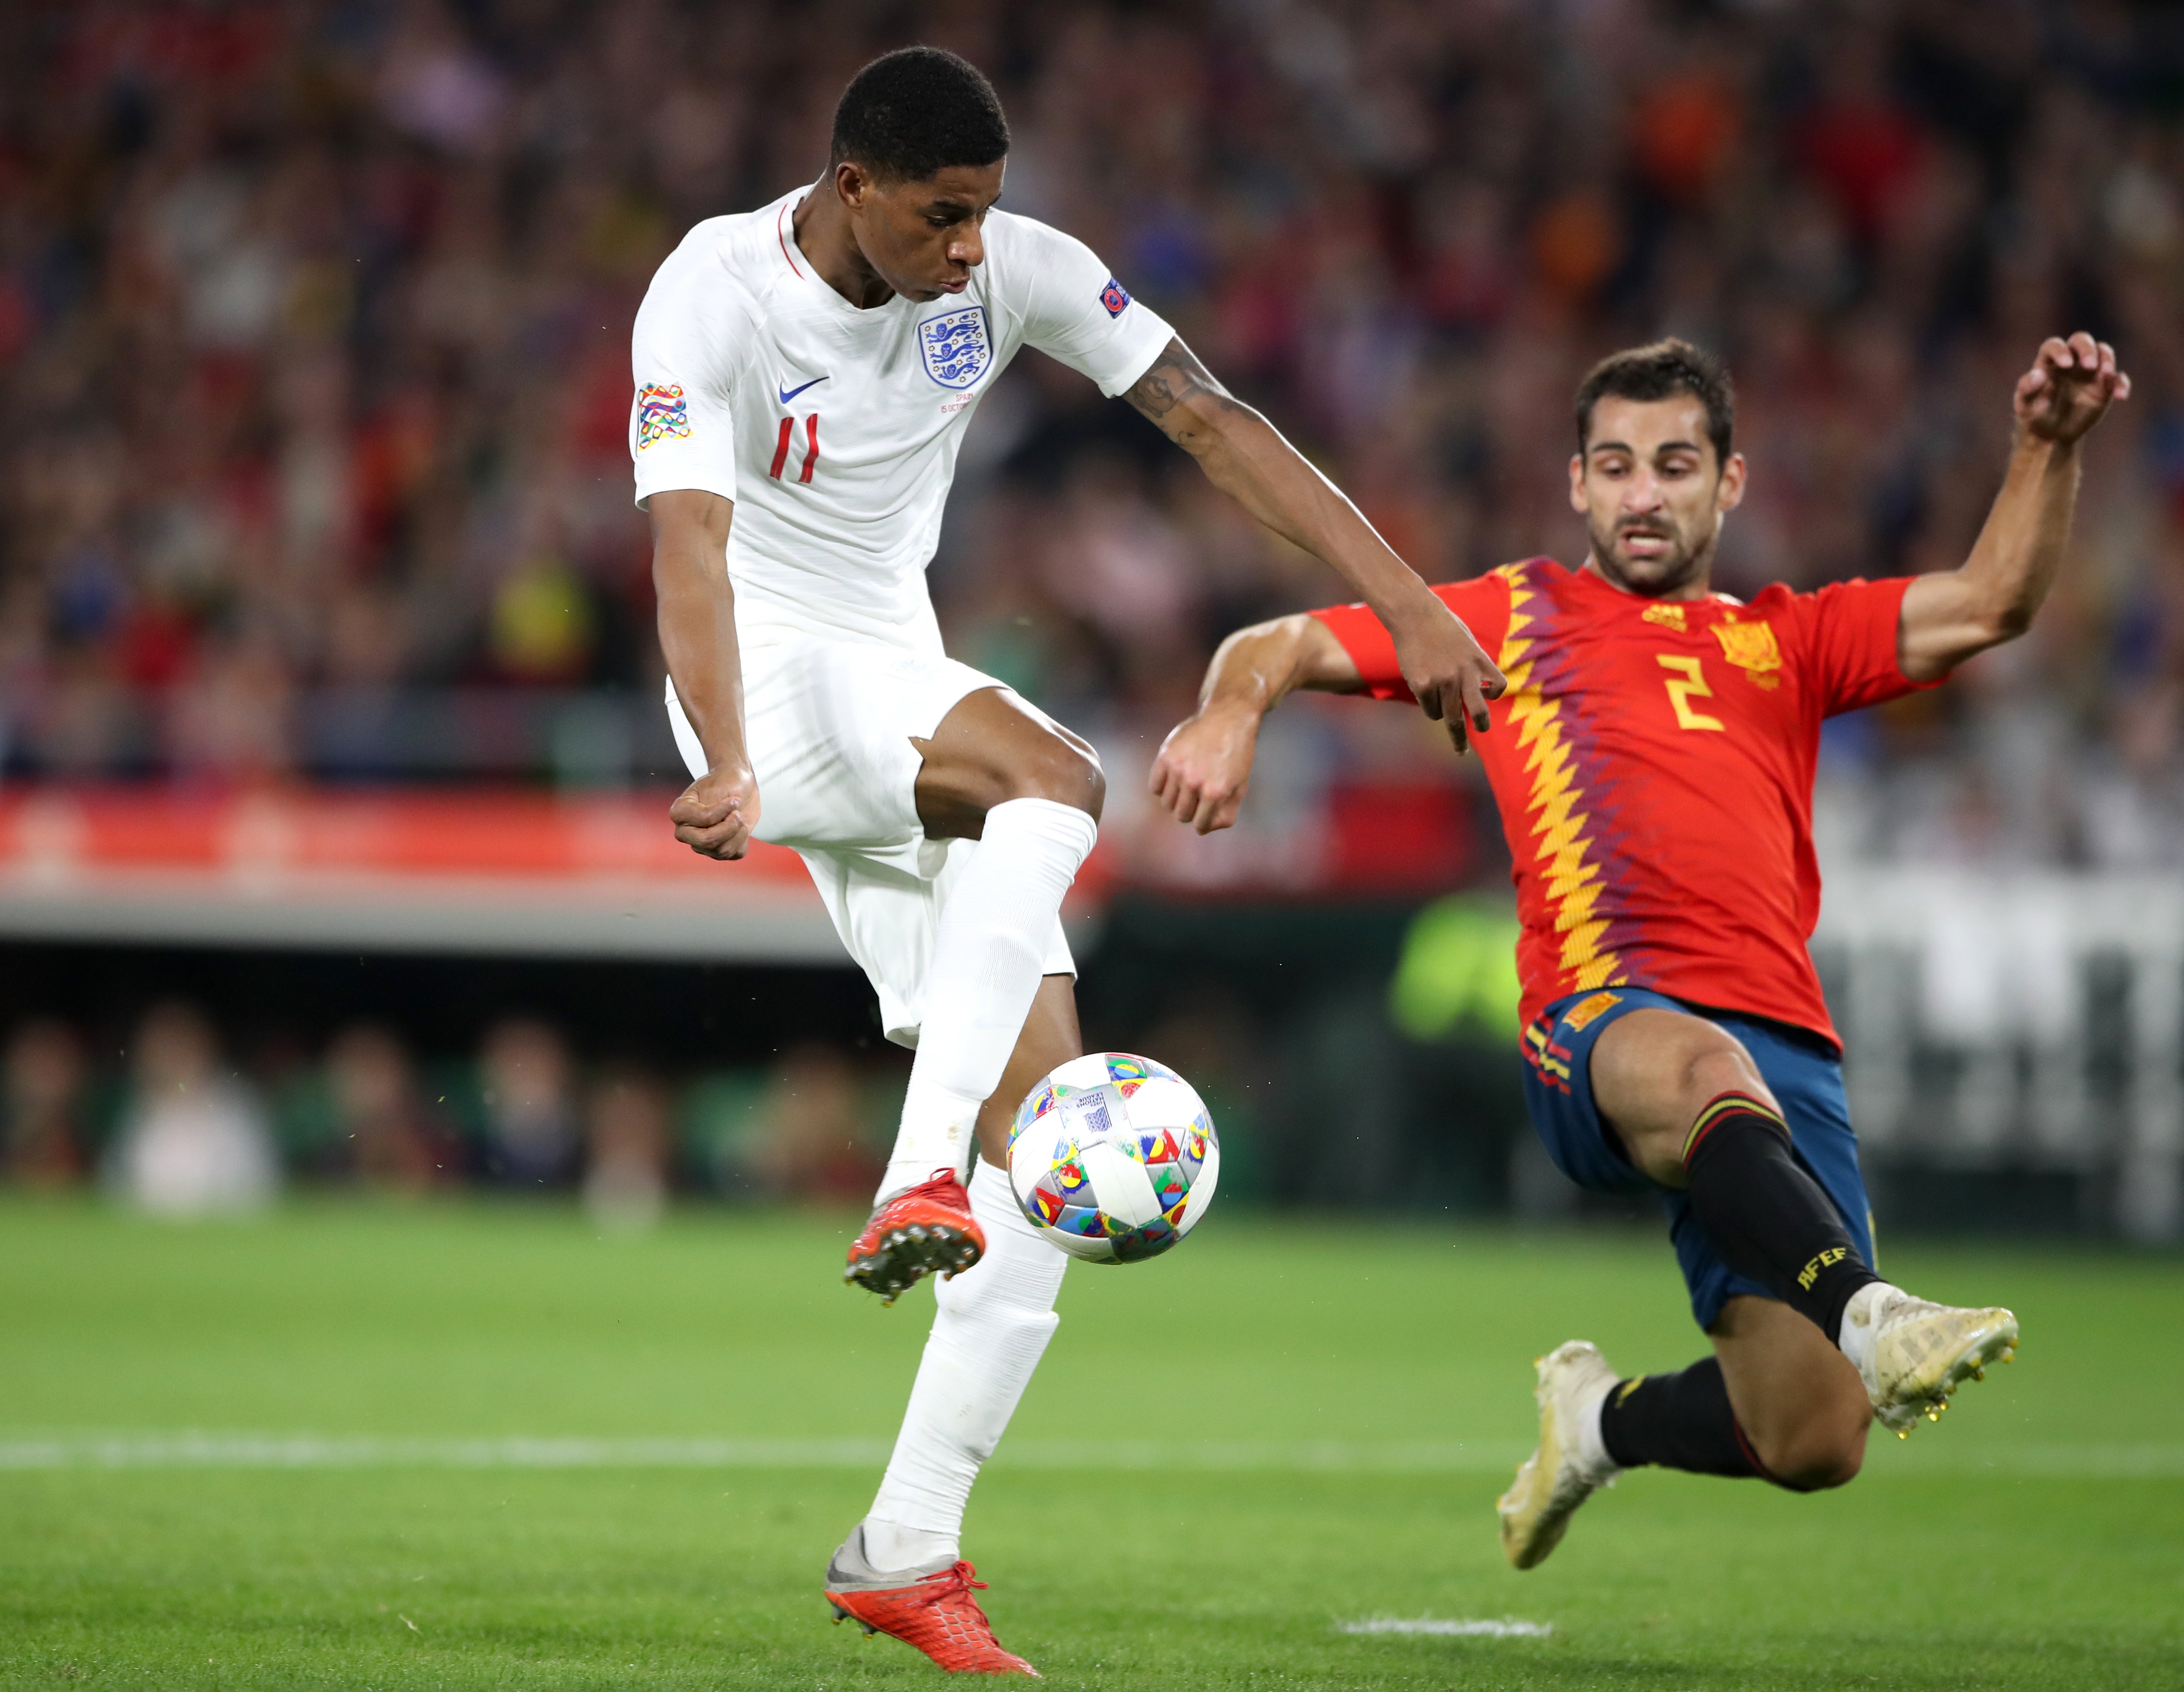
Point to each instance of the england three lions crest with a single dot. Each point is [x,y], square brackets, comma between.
[955,347]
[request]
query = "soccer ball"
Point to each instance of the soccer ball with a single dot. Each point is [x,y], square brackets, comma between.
[1113,1157]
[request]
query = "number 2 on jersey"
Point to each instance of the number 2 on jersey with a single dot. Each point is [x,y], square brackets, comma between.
[811,448]
[1681,693]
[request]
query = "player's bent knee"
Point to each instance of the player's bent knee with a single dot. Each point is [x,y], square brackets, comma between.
[955,793]
[1820,1472]
[1817,1456]
[1717,1063]
[1068,774]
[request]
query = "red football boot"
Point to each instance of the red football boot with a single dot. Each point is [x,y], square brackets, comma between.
[930,1608]
[928,1228]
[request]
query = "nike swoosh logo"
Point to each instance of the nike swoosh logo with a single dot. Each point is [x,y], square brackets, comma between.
[789,393]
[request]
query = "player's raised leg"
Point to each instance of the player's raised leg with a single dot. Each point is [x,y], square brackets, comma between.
[1694,1114]
[998,771]
[1779,1276]
[900,1570]
[1774,1402]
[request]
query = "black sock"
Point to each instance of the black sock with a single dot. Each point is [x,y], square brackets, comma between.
[1679,1421]
[1769,1218]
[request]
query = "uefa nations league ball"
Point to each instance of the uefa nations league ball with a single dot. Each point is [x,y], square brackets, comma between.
[1113,1157]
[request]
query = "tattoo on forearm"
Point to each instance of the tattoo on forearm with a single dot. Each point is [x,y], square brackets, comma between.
[1177,378]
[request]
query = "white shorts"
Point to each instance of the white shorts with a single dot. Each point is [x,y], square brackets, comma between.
[828,724]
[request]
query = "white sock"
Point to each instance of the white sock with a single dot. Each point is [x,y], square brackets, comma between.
[991,1329]
[1591,1447]
[1854,1339]
[986,963]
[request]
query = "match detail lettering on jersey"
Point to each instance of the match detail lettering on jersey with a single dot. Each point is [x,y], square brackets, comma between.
[955,347]
[662,414]
[1751,647]
[1681,693]
[1114,296]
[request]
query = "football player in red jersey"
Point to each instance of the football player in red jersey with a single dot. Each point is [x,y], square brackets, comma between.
[1653,766]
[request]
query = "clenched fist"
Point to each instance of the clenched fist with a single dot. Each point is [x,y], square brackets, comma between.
[2070,388]
[716,813]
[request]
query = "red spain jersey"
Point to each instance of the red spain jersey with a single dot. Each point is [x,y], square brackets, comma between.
[1652,761]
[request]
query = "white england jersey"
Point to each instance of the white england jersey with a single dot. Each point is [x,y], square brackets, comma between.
[835,430]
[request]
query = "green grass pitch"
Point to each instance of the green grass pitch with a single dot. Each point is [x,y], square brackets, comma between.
[1229,1454]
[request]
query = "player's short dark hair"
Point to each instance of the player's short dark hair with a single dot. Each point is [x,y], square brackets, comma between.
[1658,371]
[914,112]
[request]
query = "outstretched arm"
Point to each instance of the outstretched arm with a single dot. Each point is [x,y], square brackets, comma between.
[1246,457]
[1954,614]
[715,814]
[1205,765]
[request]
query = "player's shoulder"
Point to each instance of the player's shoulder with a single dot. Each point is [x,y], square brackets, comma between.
[1485,601]
[725,264]
[1012,234]
[1022,254]
[1524,578]
[1777,602]
[1783,620]
[738,243]
[1498,582]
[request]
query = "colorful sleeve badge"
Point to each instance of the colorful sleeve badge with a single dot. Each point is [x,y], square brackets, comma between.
[1113,298]
[662,413]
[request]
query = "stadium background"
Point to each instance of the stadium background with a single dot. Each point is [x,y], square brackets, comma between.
[334,768]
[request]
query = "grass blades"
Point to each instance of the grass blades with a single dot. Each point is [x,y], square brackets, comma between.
[1230,1453]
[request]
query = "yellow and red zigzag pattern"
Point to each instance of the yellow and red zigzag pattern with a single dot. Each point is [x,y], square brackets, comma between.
[1572,885]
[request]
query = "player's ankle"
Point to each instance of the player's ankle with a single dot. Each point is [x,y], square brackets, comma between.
[1861,1322]
[939,1133]
[905,1173]
[890,1546]
[1586,1441]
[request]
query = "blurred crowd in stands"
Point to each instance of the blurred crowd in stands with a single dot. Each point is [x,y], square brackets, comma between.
[172,1123]
[313,378]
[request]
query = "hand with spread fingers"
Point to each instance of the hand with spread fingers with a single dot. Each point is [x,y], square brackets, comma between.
[2070,389]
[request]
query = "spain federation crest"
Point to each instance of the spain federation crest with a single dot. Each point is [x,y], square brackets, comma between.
[955,346]
[1751,647]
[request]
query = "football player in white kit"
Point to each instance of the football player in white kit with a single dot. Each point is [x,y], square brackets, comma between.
[804,373]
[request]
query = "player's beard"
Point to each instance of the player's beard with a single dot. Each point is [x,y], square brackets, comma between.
[1686,559]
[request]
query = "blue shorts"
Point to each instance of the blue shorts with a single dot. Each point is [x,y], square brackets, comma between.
[1804,1071]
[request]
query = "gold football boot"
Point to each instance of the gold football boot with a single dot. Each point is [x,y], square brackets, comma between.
[1913,1355]
[1560,1476]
